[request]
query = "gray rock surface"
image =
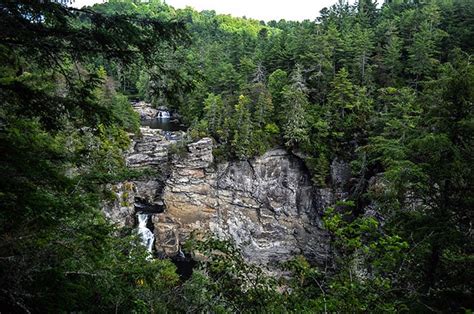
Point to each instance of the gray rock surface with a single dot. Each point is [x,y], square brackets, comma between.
[340,173]
[340,176]
[151,148]
[120,210]
[131,197]
[145,110]
[265,205]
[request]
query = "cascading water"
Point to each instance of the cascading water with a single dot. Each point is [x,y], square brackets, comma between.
[145,234]
[181,254]
[164,115]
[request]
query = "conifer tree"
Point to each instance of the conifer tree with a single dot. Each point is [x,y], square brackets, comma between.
[242,137]
[392,57]
[295,128]
[214,110]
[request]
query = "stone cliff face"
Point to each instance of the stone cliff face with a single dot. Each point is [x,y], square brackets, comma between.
[267,205]
[148,150]
[151,148]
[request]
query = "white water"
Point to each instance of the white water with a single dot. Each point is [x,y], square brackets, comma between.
[181,254]
[145,234]
[163,115]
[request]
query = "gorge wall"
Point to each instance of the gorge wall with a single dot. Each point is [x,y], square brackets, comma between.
[267,205]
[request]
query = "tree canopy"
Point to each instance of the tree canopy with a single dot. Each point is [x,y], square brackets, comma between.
[387,88]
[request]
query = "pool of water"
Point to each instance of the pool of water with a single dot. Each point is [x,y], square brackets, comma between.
[164,124]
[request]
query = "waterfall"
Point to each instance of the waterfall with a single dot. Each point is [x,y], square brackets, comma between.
[145,234]
[181,254]
[164,115]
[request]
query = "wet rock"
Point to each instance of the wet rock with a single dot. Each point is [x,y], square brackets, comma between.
[130,197]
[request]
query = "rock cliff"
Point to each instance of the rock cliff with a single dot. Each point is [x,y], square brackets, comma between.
[267,205]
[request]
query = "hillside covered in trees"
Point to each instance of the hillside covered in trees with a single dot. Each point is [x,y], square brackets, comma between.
[387,88]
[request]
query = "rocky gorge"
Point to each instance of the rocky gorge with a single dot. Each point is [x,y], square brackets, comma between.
[267,205]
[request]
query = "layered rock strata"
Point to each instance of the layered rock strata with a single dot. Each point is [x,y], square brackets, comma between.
[267,205]
[150,149]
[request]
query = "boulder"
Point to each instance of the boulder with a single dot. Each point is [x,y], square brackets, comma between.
[145,110]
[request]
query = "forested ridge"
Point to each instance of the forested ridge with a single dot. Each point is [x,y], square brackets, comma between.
[388,88]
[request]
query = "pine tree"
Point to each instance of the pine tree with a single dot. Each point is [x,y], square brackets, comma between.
[276,82]
[341,99]
[392,55]
[295,128]
[360,45]
[262,106]
[421,58]
[347,110]
[335,44]
[367,12]
[423,52]
[213,111]
[242,136]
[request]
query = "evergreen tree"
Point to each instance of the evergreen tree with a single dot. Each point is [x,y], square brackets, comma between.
[214,110]
[262,106]
[242,137]
[348,111]
[62,138]
[392,58]
[360,44]
[276,82]
[422,53]
[367,12]
[295,129]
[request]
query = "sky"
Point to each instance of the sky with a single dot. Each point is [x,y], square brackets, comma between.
[258,9]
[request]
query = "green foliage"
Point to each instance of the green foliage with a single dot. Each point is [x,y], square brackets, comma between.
[214,115]
[295,103]
[367,265]
[276,82]
[124,115]
[224,282]
[368,84]
[61,253]
[62,137]
[359,44]
[242,141]
[295,129]
[319,167]
[348,112]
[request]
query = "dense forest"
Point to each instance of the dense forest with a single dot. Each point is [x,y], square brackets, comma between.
[387,87]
